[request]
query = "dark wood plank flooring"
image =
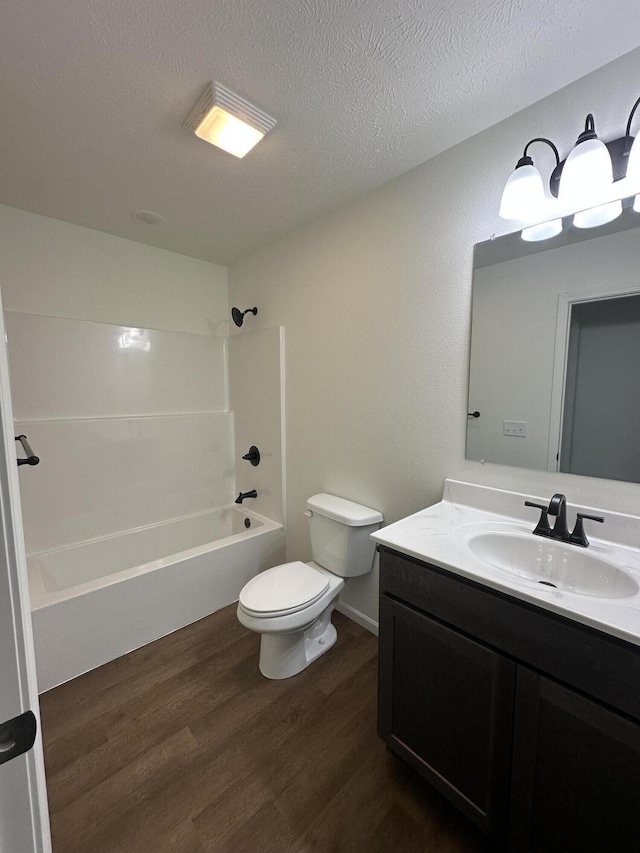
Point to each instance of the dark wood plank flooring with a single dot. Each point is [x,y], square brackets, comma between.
[183,746]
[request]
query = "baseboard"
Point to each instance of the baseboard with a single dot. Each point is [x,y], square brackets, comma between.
[358,617]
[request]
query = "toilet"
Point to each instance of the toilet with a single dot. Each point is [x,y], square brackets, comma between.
[291,605]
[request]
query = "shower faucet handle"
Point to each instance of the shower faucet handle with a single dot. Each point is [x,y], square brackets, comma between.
[253,455]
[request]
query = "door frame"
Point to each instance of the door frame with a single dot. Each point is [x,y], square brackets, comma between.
[13,562]
[566,301]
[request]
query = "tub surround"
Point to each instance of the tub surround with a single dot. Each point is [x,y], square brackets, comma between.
[102,476]
[131,425]
[85,369]
[126,529]
[257,399]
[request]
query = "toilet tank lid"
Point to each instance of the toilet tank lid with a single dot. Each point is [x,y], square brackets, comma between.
[344,511]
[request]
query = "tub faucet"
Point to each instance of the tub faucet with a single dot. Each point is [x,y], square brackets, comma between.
[243,495]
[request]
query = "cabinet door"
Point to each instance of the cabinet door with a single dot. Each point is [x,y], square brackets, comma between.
[446,706]
[576,773]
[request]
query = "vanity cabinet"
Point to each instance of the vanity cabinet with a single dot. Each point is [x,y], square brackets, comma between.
[446,707]
[527,721]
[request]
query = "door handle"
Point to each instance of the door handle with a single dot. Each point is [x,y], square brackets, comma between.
[17,736]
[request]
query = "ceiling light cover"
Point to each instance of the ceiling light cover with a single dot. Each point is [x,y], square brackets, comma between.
[228,121]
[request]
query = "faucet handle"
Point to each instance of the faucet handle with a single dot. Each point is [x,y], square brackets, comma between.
[578,537]
[542,527]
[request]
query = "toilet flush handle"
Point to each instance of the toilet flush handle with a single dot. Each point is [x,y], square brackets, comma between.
[308,513]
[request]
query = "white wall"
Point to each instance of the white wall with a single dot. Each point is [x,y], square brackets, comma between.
[62,270]
[376,303]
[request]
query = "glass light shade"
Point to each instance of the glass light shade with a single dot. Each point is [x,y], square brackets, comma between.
[599,215]
[544,231]
[228,132]
[523,194]
[587,174]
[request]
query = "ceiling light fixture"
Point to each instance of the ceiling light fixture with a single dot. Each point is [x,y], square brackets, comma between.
[228,121]
[584,183]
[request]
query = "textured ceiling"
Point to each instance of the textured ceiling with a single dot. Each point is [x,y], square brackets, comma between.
[93,94]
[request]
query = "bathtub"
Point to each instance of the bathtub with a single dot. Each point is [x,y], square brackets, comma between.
[97,600]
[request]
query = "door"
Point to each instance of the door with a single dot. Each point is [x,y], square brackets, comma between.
[24,820]
[445,706]
[576,773]
[601,417]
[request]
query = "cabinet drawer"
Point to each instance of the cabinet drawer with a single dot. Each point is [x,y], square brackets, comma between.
[594,663]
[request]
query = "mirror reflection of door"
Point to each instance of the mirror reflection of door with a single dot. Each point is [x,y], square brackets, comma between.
[601,414]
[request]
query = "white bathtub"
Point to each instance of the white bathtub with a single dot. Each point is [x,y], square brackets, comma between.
[97,600]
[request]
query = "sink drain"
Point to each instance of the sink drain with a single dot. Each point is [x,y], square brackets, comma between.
[548,583]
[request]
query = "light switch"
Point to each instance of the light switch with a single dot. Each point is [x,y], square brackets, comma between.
[517,428]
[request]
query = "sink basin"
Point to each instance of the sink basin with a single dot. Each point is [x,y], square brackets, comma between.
[552,564]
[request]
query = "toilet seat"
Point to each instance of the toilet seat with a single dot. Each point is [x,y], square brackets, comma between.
[284,589]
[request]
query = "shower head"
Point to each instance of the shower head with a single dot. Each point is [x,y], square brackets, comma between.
[238,315]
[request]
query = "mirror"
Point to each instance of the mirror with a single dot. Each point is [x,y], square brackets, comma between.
[555,351]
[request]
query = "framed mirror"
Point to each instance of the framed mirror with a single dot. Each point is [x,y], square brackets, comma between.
[555,351]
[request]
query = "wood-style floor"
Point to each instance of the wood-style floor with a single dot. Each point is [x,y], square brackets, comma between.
[183,746]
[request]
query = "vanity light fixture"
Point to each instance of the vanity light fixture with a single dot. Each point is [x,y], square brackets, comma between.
[228,121]
[583,183]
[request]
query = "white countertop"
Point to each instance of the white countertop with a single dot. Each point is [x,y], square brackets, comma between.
[439,535]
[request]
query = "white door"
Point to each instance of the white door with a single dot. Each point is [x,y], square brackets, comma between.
[24,819]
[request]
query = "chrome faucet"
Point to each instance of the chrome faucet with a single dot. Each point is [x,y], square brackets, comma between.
[558,508]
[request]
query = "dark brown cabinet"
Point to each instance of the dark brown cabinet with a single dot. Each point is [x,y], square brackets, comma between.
[446,706]
[526,721]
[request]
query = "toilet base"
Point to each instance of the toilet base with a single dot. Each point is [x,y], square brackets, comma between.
[285,655]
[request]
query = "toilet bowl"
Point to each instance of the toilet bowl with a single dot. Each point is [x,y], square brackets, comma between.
[294,619]
[291,605]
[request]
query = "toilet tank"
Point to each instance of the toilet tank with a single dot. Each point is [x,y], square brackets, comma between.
[340,531]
